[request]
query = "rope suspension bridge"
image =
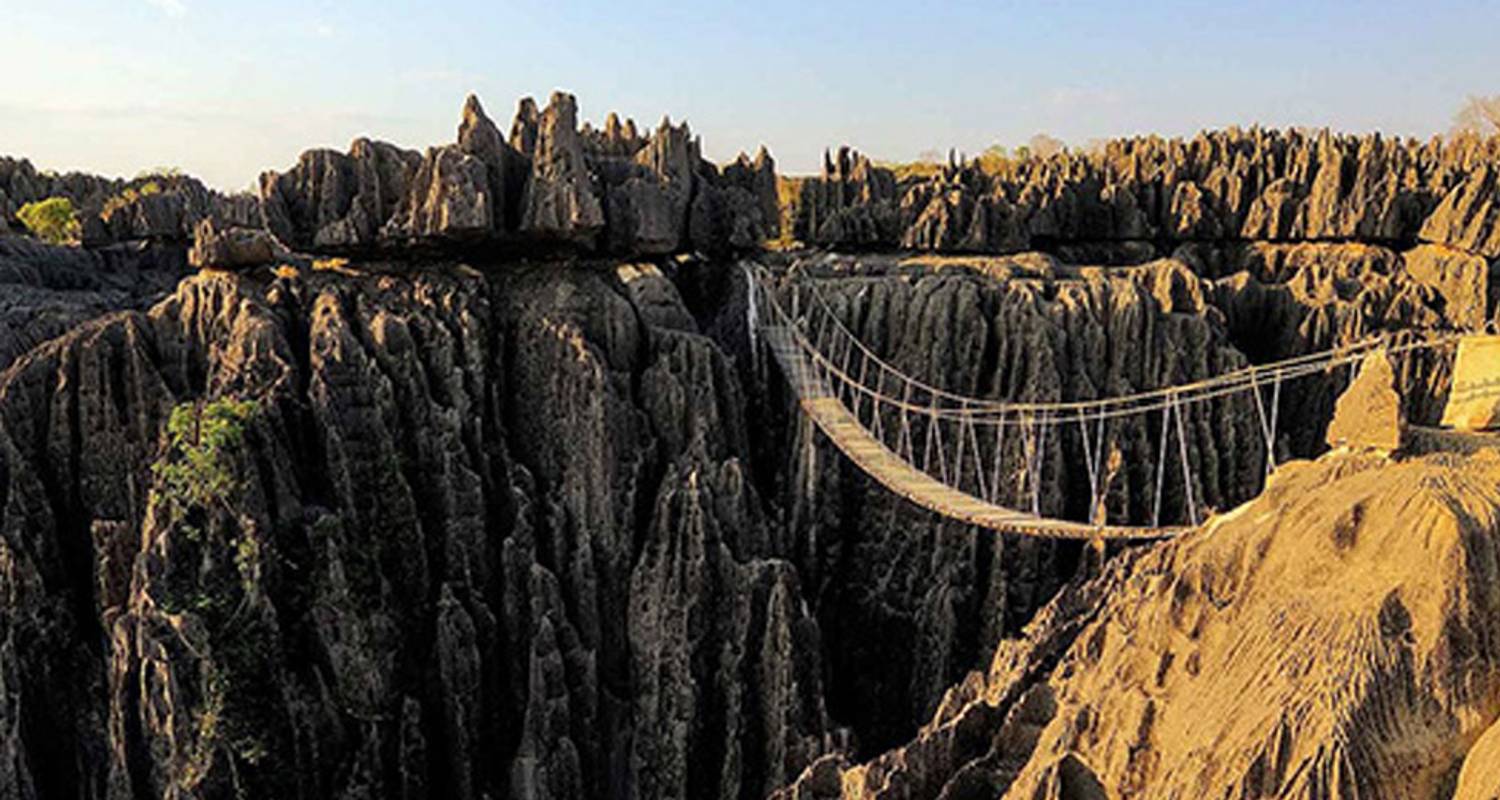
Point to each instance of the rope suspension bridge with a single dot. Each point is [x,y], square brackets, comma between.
[981,461]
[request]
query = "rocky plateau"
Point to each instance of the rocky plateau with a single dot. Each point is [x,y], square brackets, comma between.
[459,473]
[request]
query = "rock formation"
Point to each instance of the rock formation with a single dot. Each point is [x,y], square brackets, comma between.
[1474,403]
[416,580]
[1368,415]
[232,248]
[551,184]
[1308,645]
[503,503]
[1222,186]
[161,207]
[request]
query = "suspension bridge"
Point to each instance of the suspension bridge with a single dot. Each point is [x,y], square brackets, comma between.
[981,461]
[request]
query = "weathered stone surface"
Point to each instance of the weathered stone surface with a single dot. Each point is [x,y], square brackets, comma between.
[1292,636]
[1369,415]
[560,201]
[231,248]
[419,583]
[1480,777]
[46,291]
[552,184]
[1220,186]
[1467,283]
[450,199]
[1468,218]
[163,208]
[337,201]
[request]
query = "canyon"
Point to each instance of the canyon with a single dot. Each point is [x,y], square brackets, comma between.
[461,474]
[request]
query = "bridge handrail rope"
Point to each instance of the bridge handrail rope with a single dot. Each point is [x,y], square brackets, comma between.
[830,370]
[1221,385]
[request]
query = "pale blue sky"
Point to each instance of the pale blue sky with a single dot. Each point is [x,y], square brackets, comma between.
[225,90]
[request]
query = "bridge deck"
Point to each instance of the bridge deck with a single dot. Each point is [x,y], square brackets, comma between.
[894,473]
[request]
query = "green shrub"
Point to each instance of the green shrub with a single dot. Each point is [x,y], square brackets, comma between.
[129,195]
[198,470]
[52,220]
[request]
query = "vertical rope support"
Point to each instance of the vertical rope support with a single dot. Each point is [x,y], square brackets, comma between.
[906,436]
[927,445]
[999,455]
[959,442]
[979,481]
[1039,459]
[1088,461]
[1161,461]
[859,394]
[937,429]
[1187,475]
[1275,410]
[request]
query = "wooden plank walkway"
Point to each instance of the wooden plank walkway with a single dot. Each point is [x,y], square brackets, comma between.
[888,469]
[893,472]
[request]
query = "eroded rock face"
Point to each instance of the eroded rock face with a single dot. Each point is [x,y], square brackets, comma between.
[551,184]
[940,591]
[1368,415]
[1220,186]
[232,248]
[1118,685]
[418,583]
[159,208]
[45,290]
[332,200]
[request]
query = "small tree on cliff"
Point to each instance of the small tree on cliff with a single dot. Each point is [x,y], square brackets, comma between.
[1479,115]
[53,220]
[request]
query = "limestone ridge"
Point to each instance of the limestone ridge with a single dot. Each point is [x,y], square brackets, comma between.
[161,208]
[1230,185]
[487,536]
[550,183]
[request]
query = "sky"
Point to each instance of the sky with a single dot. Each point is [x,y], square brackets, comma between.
[225,90]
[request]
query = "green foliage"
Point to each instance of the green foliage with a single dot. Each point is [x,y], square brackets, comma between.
[130,195]
[53,220]
[198,471]
[216,574]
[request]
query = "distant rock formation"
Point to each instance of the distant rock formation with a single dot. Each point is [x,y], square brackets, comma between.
[161,208]
[1224,186]
[551,183]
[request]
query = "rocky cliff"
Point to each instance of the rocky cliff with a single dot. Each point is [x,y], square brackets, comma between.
[475,509]
[152,207]
[1222,186]
[550,184]
[407,575]
[1333,638]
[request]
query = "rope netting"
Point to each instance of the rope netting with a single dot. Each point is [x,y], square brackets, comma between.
[996,450]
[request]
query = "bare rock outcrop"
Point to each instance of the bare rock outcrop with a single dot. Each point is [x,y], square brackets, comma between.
[1368,415]
[560,200]
[233,247]
[46,291]
[1119,684]
[162,207]
[333,200]
[1221,186]
[551,184]
[403,576]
